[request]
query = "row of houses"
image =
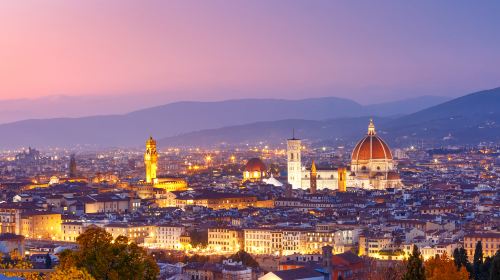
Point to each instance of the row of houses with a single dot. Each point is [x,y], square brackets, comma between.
[280,241]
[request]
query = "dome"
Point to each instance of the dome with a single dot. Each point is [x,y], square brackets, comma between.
[255,164]
[371,147]
[393,176]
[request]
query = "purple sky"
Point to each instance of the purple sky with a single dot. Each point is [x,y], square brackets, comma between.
[368,51]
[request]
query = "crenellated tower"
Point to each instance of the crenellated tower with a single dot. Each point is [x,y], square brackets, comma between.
[151,160]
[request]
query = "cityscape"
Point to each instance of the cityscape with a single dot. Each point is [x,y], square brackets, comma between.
[264,183]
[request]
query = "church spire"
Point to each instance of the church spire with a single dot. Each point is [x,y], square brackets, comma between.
[371,128]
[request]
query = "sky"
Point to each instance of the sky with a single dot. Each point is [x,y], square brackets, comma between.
[369,51]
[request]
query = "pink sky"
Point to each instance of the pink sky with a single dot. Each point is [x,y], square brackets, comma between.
[211,50]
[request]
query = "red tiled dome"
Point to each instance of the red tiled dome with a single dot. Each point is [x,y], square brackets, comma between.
[371,147]
[255,164]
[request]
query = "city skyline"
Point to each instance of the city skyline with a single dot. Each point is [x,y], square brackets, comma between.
[249,140]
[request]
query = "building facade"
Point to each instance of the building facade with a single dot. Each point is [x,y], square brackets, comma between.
[372,167]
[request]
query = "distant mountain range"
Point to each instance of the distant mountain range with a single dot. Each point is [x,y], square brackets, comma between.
[184,117]
[465,120]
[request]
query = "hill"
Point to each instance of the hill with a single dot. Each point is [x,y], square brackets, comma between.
[465,120]
[275,132]
[183,117]
[468,119]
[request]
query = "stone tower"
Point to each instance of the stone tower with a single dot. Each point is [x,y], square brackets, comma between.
[151,160]
[294,162]
[313,178]
[342,173]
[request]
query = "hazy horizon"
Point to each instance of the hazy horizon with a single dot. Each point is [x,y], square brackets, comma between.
[63,106]
[189,50]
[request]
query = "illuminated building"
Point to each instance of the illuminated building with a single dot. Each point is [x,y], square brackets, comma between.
[313,178]
[169,236]
[342,177]
[225,240]
[372,167]
[151,166]
[41,225]
[151,160]
[263,241]
[134,232]
[71,230]
[255,170]
[106,203]
[10,216]
[489,241]
[294,165]
[215,200]
[274,241]
[317,240]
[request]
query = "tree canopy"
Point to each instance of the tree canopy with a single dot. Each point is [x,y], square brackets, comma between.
[415,266]
[443,268]
[108,259]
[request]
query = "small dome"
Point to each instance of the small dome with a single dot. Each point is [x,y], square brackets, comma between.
[255,164]
[371,147]
[393,176]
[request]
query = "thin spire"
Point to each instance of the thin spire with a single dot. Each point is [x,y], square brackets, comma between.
[293,135]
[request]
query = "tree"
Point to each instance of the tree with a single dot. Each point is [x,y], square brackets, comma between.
[484,272]
[460,258]
[414,268]
[105,258]
[495,267]
[442,267]
[71,273]
[245,258]
[478,261]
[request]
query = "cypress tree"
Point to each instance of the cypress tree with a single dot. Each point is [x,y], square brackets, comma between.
[461,260]
[456,258]
[415,267]
[478,261]
[495,267]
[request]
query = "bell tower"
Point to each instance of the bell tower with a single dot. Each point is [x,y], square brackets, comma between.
[294,164]
[151,160]
[313,177]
